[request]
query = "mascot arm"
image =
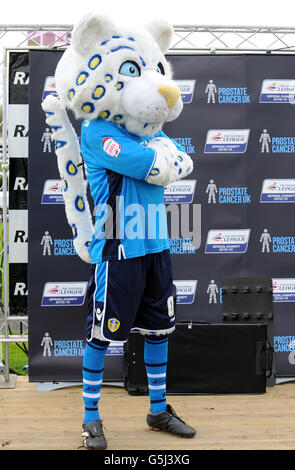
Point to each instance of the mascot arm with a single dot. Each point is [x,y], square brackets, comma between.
[115,151]
[177,145]
[171,163]
[74,186]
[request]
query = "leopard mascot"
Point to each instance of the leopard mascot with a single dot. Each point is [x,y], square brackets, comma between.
[118,81]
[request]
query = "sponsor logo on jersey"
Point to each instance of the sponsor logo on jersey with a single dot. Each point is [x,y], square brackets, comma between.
[63,294]
[227,241]
[277,91]
[180,192]
[187,88]
[111,147]
[278,190]
[227,141]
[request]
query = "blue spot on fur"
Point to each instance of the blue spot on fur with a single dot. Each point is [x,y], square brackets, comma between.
[74,230]
[94,62]
[83,76]
[87,107]
[71,168]
[98,93]
[71,93]
[119,85]
[59,144]
[55,128]
[65,185]
[79,203]
[104,114]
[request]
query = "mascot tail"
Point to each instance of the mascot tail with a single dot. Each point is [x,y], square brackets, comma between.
[69,161]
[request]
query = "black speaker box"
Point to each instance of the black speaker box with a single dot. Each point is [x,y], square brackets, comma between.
[206,359]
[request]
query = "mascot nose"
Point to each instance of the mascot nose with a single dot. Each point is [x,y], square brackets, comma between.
[171,93]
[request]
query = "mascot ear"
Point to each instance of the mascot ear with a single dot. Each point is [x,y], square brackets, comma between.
[91,30]
[162,32]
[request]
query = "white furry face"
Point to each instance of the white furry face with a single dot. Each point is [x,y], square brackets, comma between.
[119,75]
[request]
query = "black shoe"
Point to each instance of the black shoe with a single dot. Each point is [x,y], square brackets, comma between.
[93,436]
[169,421]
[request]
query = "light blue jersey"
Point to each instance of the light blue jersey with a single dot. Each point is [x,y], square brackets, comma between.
[130,216]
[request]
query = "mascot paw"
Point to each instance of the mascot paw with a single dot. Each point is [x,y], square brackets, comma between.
[83,252]
[186,162]
[51,105]
[170,164]
[56,116]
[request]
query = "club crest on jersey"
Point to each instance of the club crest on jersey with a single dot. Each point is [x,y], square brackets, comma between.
[111,147]
[113,324]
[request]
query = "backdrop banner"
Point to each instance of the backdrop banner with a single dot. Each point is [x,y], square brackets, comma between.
[18,129]
[237,125]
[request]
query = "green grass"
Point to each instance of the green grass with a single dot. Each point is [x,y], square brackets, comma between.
[17,358]
[1,260]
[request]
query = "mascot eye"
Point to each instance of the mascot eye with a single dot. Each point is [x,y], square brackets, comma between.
[160,68]
[130,68]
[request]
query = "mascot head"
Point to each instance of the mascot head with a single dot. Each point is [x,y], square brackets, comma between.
[119,73]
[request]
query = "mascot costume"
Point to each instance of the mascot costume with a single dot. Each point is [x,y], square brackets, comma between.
[118,81]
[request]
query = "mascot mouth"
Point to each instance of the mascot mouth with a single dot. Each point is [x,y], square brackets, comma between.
[151,113]
[149,116]
[150,100]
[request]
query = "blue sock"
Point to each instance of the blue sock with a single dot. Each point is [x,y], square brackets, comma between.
[93,367]
[155,358]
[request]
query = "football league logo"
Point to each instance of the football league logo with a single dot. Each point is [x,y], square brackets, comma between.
[227,141]
[277,91]
[278,190]
[49,87]
[227,241]
[187,88]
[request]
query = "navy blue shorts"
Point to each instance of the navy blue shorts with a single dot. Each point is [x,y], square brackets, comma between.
[131,294]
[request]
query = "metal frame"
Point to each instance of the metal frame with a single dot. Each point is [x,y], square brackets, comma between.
[188,39]
[7,319]
[237,39]
[203,38]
